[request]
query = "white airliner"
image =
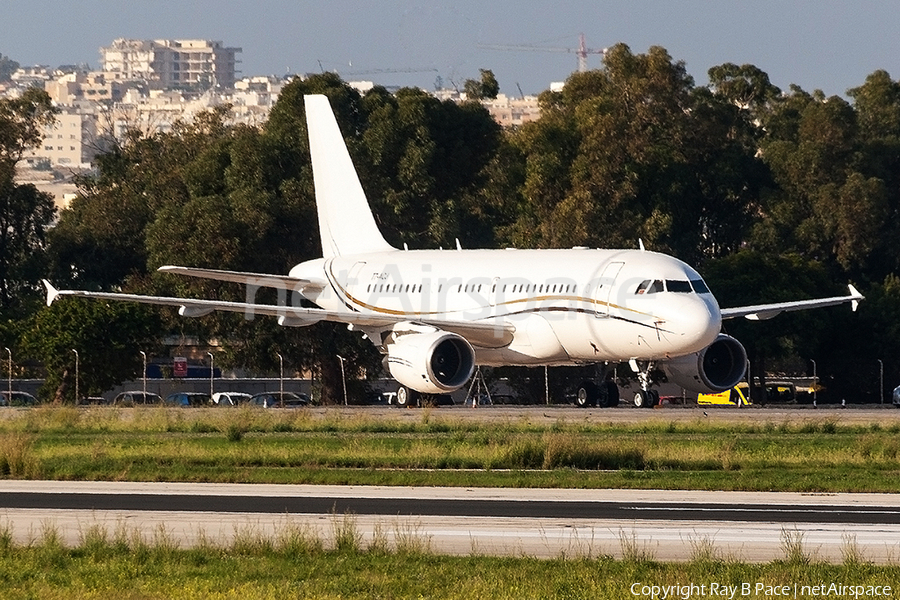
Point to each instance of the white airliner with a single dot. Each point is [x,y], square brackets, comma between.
[436,314]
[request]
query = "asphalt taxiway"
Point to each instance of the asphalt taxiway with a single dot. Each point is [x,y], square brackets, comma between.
[667,525]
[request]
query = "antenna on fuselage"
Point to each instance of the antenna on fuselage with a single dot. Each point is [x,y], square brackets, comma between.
[641,245]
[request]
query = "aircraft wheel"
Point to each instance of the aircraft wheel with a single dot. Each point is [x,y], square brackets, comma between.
[612,394]
[406,397]
[644,399]
[586,395]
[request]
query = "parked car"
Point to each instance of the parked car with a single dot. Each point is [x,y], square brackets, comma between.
[136,398]
[230,398]
[187,399]
[17,398]
[895,397]
[279,400]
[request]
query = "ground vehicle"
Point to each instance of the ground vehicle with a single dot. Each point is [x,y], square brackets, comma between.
[135,398]
[187,399]
[895,397]
[230,398]
[279,400]
[17,398]
[737,396]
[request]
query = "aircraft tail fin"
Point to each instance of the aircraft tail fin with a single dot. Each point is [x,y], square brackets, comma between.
[346,224]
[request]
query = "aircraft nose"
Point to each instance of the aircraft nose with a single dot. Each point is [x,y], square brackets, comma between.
[698,320]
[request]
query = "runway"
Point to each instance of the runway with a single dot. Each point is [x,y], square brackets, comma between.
[667,525]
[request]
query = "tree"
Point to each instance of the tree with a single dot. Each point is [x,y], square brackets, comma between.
[7,67]
[636,151]
[107,336]
[22,121]
[749,277]
[836,196]
[25,212]
[485,89]
[746,86]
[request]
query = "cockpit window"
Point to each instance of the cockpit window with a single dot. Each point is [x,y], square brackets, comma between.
[699,286]
[678,286]
[649,286]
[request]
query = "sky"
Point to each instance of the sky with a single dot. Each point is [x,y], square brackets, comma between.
[816,44]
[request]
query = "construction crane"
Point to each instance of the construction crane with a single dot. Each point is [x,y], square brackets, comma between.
[383,71]
[377,71]
[581,51]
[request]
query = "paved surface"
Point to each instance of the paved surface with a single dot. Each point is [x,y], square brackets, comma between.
[668,525]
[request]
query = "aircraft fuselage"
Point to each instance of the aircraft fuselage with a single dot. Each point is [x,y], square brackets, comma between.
[567,306]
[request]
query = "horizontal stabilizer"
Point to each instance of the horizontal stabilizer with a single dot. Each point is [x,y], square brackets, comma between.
[258,279]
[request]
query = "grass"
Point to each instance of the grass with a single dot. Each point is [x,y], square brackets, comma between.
[421,448]
[295,563]
[433,449]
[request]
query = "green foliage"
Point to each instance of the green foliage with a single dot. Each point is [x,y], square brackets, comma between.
[333,446]
[25,212]
[634,150]
[254,565]
[7,67]
[483,89]
[107,337]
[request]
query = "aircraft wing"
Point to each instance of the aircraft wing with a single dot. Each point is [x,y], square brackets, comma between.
[762,312]
[258,279]
[486,333]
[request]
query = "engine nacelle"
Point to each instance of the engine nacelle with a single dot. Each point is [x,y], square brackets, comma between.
[716,368]
[437,362]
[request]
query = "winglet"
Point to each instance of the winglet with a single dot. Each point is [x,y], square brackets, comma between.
[52,292]
[854,293]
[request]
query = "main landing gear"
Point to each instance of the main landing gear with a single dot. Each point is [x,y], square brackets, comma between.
[590,394]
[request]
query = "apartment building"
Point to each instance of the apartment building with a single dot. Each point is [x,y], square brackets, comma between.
[70,142]
[512,112]
[173,64]
[72,88]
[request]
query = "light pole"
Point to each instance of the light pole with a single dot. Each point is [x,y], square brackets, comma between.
[343,378]
[815,380]
[9,374]
[76,375]
[546,385]
[280,374]
[144,356]
[880,381]
[212,372]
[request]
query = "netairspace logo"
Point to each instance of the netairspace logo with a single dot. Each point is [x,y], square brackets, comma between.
[757,589]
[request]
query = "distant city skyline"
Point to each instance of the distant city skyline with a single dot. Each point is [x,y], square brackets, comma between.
[825,45]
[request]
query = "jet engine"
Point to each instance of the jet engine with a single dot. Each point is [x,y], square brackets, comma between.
[716,368]
[437,362]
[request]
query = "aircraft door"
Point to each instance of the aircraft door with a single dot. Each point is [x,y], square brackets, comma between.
[603,294]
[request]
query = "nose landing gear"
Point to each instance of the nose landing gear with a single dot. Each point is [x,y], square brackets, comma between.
[646,397]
